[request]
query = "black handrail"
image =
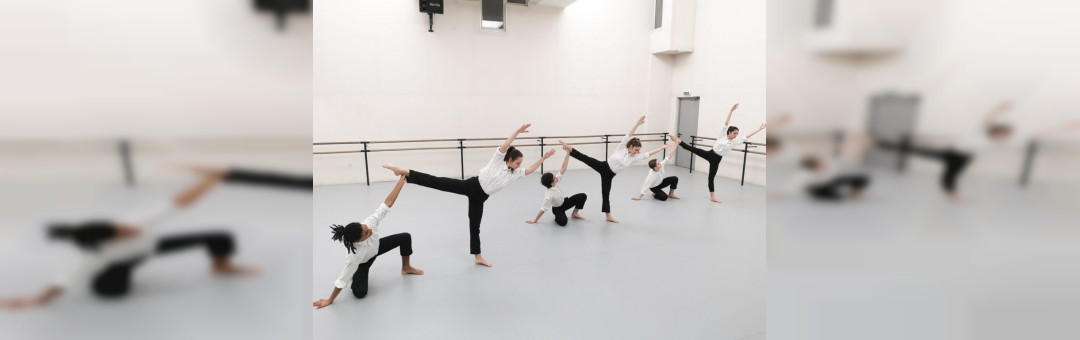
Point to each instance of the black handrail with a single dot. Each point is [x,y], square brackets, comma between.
[461,147]
[745,150]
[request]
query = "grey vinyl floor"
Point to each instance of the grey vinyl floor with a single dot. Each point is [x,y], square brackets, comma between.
[173,296]
[904,263]
[681,269]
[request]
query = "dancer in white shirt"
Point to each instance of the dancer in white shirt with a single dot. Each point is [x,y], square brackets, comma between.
[655,182]
[723,145]
[503,168]
[628,153]
[554,200]
[363,246]
[957,156]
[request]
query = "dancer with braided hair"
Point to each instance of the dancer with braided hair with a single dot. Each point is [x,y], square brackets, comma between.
[363,246]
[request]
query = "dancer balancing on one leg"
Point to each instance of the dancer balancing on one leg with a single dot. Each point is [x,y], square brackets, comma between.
[503,168]
[363,245]
[957,156]
[655,182]
[723,145]
[628,153]
[554,200]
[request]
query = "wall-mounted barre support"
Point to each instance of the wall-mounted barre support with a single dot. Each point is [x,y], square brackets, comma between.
[367,170]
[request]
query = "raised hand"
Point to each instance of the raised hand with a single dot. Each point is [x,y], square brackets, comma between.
[674,138]
[641,120]
[733,108]
[524,128]
[549,153]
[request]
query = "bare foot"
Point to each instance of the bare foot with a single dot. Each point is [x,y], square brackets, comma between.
[481,261]
[611,219]
[577,216]
[397,170]
[234,270]
[411,270]
[673,196]
[957,199]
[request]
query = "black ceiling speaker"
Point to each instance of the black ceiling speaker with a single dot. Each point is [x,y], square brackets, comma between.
[431,7]
[281,8]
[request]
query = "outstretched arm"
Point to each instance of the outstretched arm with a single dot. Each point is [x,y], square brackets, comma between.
[538,215]
[640,122]
[46,296]
[539,161]
[394,194]
[188,197]
[565,161]
[506,144]
[660,149]
[727,122]
[1071,126]
[762,127]
[325,302]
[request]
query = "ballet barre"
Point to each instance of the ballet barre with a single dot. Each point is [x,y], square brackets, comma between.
[745,150]
[541,142]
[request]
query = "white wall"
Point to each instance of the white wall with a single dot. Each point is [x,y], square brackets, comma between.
[727,67]
[582,70]
[379,75]
[961,56]
[155,69]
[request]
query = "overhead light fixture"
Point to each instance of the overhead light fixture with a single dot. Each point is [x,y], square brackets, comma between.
[281,8]
[431,7]
[492,25]
[493,14]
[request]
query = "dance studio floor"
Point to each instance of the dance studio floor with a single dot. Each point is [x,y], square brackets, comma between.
[175,296]
[1001,266]
[681,269]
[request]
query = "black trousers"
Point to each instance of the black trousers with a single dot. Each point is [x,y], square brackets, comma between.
[115,280]
[360,278]
[834,189]
[708,155]
[658,191]
[270,179]
[469,188]
[606,175]
[955,161]
[577,201]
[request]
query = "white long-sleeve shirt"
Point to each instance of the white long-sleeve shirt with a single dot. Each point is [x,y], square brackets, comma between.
[553,197]
[365,250]
[496,175]
[622,158]
[655,177]
[724,145]
[91,262]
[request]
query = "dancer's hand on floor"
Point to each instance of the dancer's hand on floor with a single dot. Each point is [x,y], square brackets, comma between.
[321,303]
[530,221]
[20,303]
[636,198]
